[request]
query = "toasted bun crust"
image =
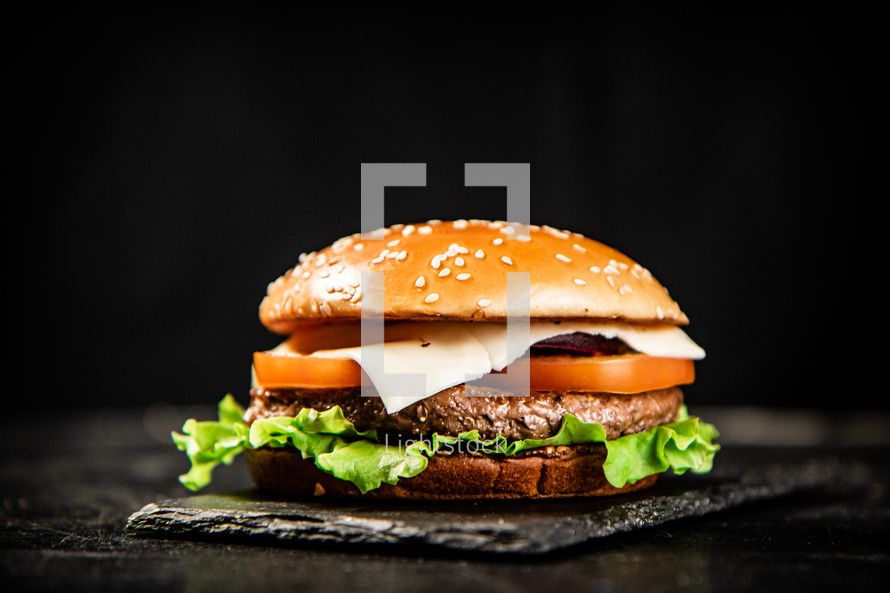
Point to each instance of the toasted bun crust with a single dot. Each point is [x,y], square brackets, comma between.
[552,472]
[457,270]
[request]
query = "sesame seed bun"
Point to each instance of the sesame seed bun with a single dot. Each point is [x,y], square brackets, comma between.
[457,270]
[549,472]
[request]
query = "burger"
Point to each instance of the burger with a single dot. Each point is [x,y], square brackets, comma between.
[569,386]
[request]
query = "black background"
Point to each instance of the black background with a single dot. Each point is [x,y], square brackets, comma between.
[163,171]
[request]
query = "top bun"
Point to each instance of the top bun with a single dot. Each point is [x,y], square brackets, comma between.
[457,270]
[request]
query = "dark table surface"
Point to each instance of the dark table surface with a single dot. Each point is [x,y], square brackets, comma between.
[70,482]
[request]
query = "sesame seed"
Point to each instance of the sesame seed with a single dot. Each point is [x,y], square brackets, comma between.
[420,282]
[462,250]
[377,260]
[484,303]
[324,273]
[302,257]
[659,312]
[431,298]
[436,261]
[555,232]
[425,230]
[407,230]
[579,248]
[479,254]
[392,255]
[306,275]
[610,269]
[383,253]
[579,282]
[611,281]
[625,289]
[459,261]
[594,269]
[561,257]
[444,272]
[393,243]
[463,276]
[402,255]
[358,246]
[459,224]
[507,260]
[340,244]
[498,241]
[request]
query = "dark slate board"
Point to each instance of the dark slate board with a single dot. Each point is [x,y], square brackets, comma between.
[534,527]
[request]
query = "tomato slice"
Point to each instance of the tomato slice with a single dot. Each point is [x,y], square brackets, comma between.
[277,370]
[626,373]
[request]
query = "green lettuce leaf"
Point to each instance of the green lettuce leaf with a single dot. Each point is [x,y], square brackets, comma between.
[208,444]
[361,458]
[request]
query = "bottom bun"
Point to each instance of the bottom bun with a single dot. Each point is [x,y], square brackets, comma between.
[549,472]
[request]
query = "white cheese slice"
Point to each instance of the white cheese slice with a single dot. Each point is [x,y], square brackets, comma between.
[442,354]
[438,355]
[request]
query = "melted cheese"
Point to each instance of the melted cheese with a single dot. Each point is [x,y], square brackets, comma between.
[421,359]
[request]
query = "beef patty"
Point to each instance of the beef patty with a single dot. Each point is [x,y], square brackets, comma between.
[462,408]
